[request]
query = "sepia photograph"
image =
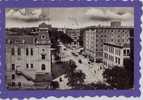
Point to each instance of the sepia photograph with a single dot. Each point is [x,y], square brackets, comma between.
[78,48]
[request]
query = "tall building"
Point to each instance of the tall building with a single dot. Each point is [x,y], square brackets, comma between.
[103,41]
[28,58]
[118,46]
[94,39]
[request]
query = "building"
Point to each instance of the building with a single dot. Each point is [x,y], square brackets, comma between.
[28,59]
[93,41]
[118,46]
[89,44]
[74,34]
[101,41]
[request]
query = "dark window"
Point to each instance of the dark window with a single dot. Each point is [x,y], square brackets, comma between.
[43,57]
[27,51]
[43,67]
[13,83]
[119,61]
[31,65]
[12,51]
[19,84]
[19,51]
[124,52]
[13,76]
[27,66]
[116,59]
[128,52]
[13,66]
[31,51]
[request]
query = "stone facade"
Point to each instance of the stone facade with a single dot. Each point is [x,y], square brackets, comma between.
[27,56]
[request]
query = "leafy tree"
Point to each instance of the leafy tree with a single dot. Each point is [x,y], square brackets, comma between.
[76,79]
[71,66]
[93,86]
[117,77]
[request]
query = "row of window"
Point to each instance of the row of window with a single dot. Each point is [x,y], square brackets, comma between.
[43,56]
[113,50]
[111,58]
[126,52]
[28,52]
[43,66]
[117,60]
[112,30]
[14,84]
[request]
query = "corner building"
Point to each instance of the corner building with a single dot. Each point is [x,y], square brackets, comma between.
[28,59]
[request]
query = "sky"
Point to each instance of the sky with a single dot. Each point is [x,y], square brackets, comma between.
[70,17]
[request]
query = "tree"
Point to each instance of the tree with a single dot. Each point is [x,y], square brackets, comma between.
[94,86]
[76,79]
[71,66]
[117,77]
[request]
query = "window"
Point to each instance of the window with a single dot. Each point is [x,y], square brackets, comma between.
[12,51]
[27,51]
[128,52]
[31,65]
[124,52]
[27,66]
[43,67]
[19,51]
[43,57]
[13,83]
[13,76]
[43,37]
[19,84]
[31,51]
[13,66]
[118,60]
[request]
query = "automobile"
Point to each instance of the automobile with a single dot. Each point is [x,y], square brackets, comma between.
[74,54]
[89,62]
[65,49]
[80,61]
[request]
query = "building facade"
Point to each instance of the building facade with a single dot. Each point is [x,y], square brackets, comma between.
[93,43]
[118,46]
[103,41]
[28,58]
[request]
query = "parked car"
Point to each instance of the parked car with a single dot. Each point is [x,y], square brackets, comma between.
[74,54]
[80,61]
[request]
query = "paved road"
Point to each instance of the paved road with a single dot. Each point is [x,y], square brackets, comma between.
[92,71]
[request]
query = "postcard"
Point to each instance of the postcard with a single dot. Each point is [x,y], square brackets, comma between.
[70,48]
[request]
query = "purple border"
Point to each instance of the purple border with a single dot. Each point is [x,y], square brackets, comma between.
[76,93]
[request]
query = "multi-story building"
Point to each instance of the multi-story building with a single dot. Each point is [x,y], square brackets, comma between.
[28,59]
[118,46]
[96,40]
[74,34]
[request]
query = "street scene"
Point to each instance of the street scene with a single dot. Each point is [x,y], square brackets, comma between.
[52,49]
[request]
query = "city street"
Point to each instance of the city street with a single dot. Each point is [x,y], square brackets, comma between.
[93,71]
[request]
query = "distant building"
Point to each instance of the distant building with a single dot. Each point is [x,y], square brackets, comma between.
[100,42]
[28,58]
[61,30]
[74,34]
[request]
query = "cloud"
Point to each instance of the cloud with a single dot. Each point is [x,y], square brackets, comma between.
[104,14]
[70,17]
